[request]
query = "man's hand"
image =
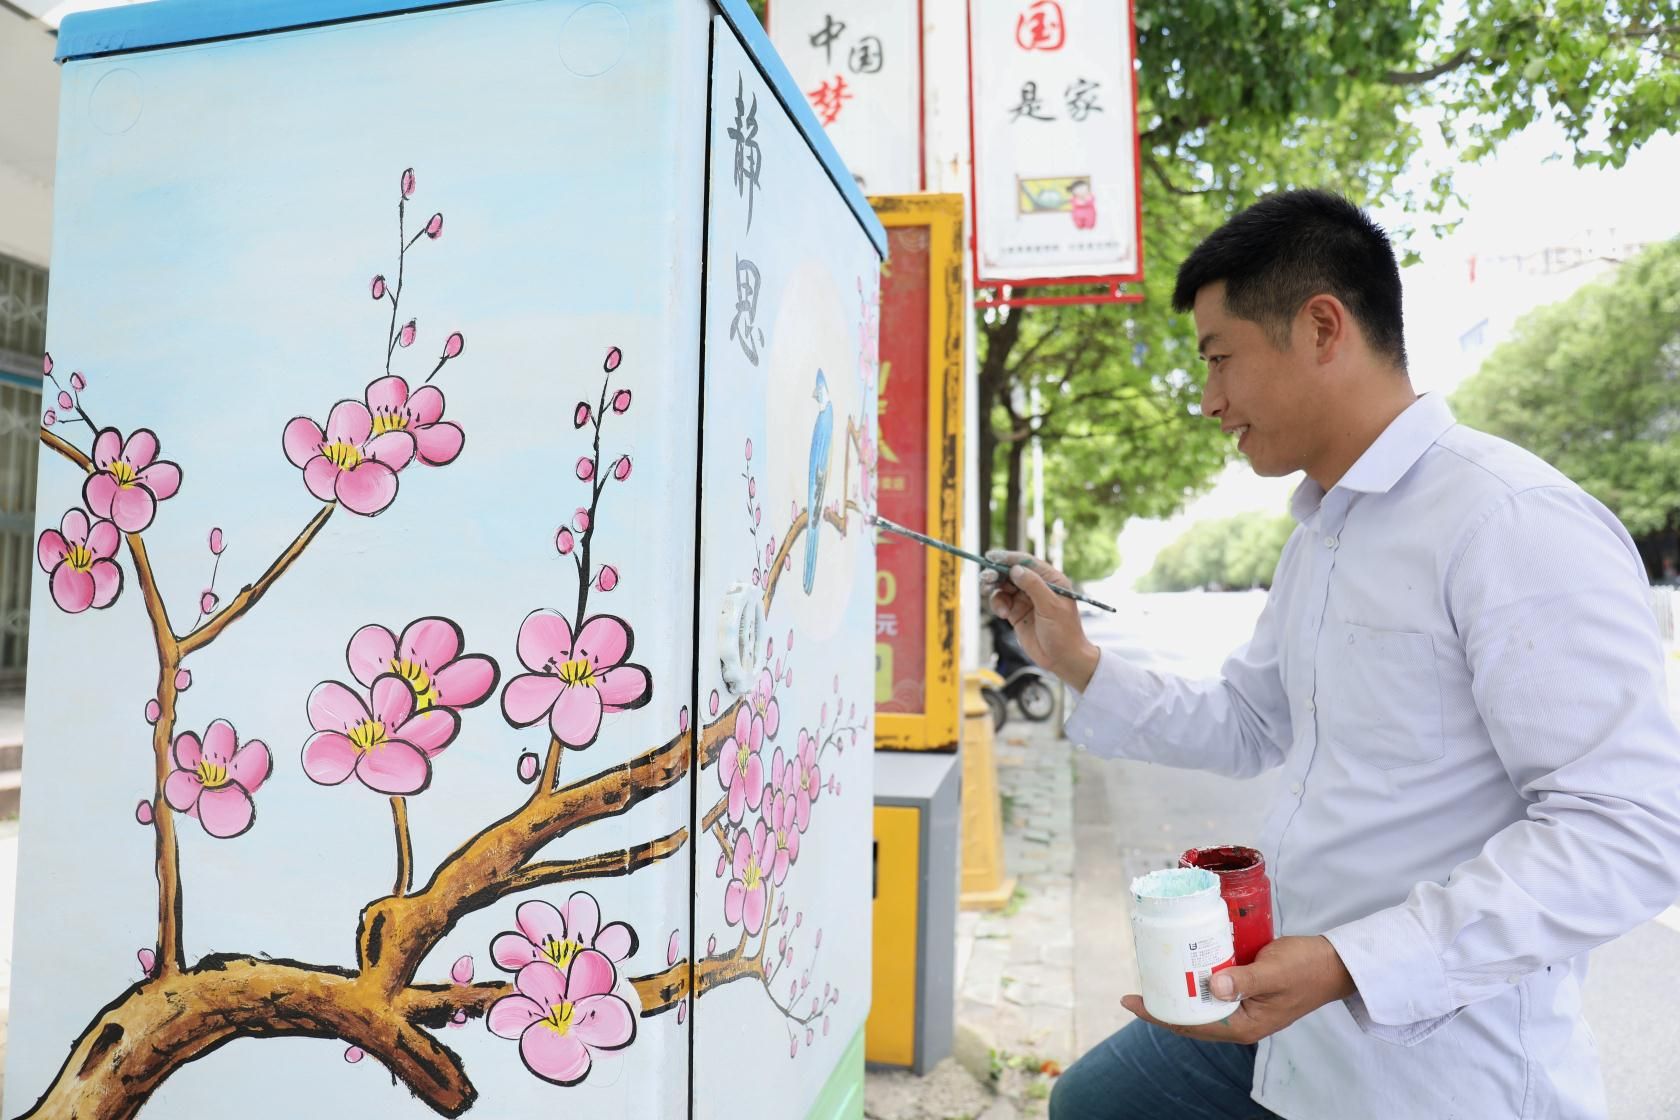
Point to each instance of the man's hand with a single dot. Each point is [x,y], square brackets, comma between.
[1290,978]
[1047,623]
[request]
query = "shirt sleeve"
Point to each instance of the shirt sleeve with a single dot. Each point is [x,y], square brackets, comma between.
[1552,605]
[1236,725]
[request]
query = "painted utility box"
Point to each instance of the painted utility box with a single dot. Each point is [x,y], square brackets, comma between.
[452,683]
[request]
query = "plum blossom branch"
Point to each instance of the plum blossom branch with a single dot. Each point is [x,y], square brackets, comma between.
[252,592]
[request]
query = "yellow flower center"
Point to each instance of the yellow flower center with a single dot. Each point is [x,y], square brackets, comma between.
[342,455]
[560,952]
[742,757]
[559,1018]
[213,776]
[80,557]
[425,692]
[754,875]
[122,472]
[367,735]
[576,672]
[389,422]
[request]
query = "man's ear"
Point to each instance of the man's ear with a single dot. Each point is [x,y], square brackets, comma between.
[1327,326]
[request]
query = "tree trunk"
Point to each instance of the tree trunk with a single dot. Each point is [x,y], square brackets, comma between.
[1015,524]
[994,382]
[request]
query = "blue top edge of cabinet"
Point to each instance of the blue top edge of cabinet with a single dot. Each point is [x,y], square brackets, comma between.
[168,23]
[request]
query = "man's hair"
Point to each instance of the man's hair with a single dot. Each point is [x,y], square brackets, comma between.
[1287,248]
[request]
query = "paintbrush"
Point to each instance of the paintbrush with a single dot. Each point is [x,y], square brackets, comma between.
[893,527]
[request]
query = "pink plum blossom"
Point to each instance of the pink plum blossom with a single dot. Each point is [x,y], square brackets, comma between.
[745,899]
[129,480]
[434,227]
[764,706]
[453,345]
[785,831]
[428,656]
[562,1018]
[808,779]
[387,744]
[436,441]
[349,462]
[77,557]
[740,768]
[214,780]
[558,936]
[574,681]
[408,183]
[621,401]
[614,356]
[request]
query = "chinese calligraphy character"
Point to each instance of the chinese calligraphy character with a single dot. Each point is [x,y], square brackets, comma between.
[823,40]
[866,57]
[886,626]
[1081,99]
[1040,27]
[741,328]
[749,160]
[1030,105]
[829,98]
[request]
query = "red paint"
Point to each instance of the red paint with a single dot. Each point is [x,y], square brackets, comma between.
[1247,892]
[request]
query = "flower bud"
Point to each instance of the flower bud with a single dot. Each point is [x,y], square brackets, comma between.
[582,415]
[153,712]
[563,542]
[614,356]
[183,680]
[434,227]
[408,183]
[379,287]
[49,419]
[406,338]
[580,520]
[608,578]
[621,469]
[621,401]
[462,973]
[78,382]
[585,469]
[527,767]
[216,544]
[65,400]
[453,346]
[143,814]
[46,364]
[207,602]
[148,960]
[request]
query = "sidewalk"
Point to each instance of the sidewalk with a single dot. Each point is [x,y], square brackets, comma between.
[1017,1024]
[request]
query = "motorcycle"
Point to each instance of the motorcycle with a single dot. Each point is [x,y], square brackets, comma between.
[1024,683]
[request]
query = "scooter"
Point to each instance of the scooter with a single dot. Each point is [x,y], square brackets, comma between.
[1023,682]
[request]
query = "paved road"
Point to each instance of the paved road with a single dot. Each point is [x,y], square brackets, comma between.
[1154,812]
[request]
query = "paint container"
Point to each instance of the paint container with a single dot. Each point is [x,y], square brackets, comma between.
[1247,891]
[1183,936]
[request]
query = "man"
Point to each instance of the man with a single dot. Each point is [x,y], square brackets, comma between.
[1459,672]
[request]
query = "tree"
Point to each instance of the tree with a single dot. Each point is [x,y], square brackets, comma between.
[1223,554]
[1591,384]
[1240,99]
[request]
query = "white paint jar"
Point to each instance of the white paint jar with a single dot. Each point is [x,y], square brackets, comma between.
[1183,934]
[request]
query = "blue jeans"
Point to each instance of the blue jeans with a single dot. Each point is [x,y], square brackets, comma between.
[1142,1072]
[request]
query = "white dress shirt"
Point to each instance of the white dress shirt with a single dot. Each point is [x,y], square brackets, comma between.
[1460,673]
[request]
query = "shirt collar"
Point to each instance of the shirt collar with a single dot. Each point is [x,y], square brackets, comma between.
[1389,457]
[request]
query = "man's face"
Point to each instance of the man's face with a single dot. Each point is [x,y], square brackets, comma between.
[1270,400]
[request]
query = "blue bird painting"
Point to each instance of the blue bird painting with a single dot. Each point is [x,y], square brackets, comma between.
[822,435]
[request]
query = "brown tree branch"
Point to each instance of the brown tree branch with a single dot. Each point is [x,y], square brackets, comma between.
[1420,77]
[604,865]
[251,592]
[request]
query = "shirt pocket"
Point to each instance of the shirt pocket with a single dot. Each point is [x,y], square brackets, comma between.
[1383,704]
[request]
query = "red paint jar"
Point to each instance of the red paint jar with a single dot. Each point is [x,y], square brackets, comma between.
[1247,892]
